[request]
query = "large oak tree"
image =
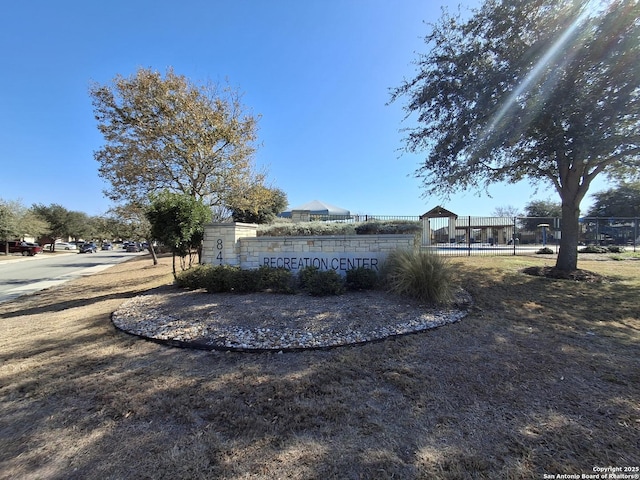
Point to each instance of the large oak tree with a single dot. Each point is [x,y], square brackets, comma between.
[18,222]
[166,133]
[60,221]
[547,90]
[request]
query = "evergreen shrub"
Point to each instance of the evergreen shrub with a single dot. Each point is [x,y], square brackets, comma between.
[304,276]
[193,278]
[322,283]
[277,280]
[391,227]
[361,279]
[289,229]
[244,281]
[593,249]
[544,251]
[368,228]
[221,278]
[224,278]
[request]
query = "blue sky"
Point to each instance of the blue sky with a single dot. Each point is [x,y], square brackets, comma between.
[317,71]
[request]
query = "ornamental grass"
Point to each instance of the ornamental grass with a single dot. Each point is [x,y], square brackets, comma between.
[420,275]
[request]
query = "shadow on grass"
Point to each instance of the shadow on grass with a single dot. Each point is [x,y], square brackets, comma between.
[86,294]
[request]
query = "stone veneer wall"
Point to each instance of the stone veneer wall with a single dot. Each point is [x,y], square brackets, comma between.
[237,244]
[220,244]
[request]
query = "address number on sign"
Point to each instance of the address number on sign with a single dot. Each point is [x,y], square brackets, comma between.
[219,246]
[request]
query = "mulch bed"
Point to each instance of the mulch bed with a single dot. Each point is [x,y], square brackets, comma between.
[577,275]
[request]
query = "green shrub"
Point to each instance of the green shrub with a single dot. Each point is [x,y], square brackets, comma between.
[361,279]
[288,228]
[322,283]
[544,251]
[616,249]
[368,228]
[304,276]
[224,278]
[244,281]
[220,278]
[397,227]
[390,227]
[277,280]
[193,278]
[593,249]
[421,275]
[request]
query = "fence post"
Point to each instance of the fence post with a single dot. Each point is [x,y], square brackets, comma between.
[514,235]
[470,232]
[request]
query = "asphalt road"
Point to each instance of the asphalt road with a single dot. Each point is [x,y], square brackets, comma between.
[24,275]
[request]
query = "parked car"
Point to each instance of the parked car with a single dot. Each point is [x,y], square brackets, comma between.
[88,247]
[107,246]
[25,248]
[133,247]
[59,246]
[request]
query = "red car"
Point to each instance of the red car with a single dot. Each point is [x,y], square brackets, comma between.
[26,248]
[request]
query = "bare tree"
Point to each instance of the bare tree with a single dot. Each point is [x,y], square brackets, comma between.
[506,211]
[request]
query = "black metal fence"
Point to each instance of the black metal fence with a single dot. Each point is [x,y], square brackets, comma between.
[521,235]
[467,235]
[610,231]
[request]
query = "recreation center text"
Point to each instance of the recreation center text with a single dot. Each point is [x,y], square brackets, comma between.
[326,263]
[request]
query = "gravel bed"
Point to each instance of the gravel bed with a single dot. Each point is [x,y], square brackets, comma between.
[276,322]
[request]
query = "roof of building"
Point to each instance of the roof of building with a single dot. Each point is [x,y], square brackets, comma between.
[316,207]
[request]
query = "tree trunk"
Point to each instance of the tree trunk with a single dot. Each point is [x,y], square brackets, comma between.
[153,253]
[173,261]
[567,260]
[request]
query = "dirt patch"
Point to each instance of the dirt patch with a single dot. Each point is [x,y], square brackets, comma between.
[577,275]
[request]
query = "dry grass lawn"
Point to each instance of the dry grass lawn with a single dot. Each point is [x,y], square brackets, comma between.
[543,377]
